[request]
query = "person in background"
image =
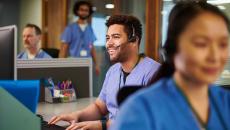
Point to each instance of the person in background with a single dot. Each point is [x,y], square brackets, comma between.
[78,37]
[31,40]
[182,96]
[122,42]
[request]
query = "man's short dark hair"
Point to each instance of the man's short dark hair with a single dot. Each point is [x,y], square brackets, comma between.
[131,24]
[80,3]
[37,29]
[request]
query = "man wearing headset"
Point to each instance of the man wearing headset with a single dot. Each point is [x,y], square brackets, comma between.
[130,68]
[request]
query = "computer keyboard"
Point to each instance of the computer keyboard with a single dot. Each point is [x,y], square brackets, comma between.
[46,126]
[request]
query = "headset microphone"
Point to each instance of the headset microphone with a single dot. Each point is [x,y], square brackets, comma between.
[115,47]
[118,46]
[131,38]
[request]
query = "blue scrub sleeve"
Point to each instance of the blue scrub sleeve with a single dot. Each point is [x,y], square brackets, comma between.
[20,55]
[103,92]
[44,55]
[92,37]
[66,35]
[225,94]
[151,73]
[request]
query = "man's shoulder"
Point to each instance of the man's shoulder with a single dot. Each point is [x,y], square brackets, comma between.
[115,67]
[219,92]
[21,54]
[149,64]
[45,54]
[71,25]
[150,61]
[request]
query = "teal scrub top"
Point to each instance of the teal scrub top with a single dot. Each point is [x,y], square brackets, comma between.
[163,107]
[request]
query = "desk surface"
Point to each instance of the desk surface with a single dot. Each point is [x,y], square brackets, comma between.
[48,110]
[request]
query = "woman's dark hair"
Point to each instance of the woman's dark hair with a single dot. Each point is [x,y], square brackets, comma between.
[181,15]
[80,3]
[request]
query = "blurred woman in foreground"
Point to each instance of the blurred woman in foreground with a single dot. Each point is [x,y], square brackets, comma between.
[182,97]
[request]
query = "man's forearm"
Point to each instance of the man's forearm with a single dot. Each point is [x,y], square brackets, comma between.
[62,55]
[63,50]
[94,55]
[93,112]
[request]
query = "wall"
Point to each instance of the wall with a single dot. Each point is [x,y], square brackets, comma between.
[9,13]
[20,12]
[30,12]
[137,9]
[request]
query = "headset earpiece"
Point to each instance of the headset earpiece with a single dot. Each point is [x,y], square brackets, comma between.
[132,38]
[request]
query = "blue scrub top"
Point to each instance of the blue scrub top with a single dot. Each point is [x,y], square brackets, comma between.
[163,107]
[78,40]
[41,54]
[140,75]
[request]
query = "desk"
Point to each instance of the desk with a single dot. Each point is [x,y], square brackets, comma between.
[48,110]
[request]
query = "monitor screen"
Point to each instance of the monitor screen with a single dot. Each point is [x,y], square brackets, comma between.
[8,38]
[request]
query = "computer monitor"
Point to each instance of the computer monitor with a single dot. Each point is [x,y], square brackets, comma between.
[25,91]
[8,49]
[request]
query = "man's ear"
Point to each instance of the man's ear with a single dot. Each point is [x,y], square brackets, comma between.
[136,41]
[39,37]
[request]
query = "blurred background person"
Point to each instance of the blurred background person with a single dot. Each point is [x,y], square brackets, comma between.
[78,37]
[31,41]
[183,97]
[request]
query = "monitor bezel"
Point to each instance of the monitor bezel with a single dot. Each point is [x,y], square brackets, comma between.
[14,27]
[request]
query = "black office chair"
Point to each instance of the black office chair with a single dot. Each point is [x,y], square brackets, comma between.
[227,87]
[126,91]
[53,52]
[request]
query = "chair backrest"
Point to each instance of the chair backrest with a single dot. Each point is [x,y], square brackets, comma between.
[125,92]
[25,91]
[53,52]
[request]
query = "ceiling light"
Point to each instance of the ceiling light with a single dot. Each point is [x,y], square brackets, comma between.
[216,2]
[221,7]
[107,17]
[109,6]
[94,8]
[164,12]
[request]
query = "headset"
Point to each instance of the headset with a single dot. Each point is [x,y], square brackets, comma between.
[132,37]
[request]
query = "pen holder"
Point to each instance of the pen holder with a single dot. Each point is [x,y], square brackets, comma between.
[54,95]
